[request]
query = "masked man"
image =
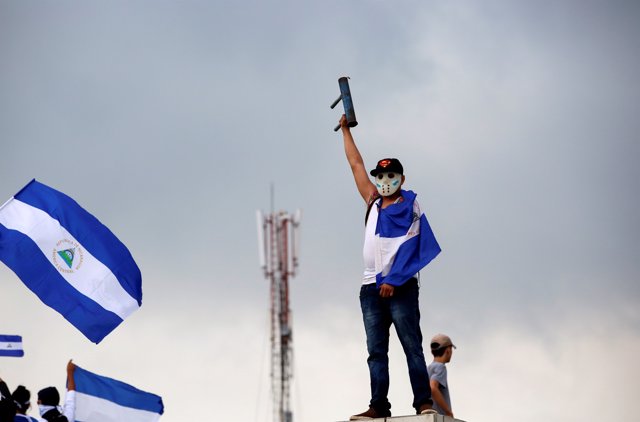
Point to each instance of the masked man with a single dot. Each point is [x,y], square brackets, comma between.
[398,244]
[49,400]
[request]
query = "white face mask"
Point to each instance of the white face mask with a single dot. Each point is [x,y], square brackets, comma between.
[388,183]
[44,408]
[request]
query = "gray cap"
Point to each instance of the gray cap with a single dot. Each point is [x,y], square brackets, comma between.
[440,341]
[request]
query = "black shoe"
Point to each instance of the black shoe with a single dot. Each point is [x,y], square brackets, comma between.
[370,414]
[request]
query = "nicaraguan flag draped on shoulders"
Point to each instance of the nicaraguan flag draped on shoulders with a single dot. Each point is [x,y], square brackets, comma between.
[405,242]
[102,399]
[70,260]
[11,346]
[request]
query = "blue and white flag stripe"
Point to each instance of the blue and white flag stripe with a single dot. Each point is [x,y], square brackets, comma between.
[405,242]
[69,259]
[102,399]
[95,280]
[11,346]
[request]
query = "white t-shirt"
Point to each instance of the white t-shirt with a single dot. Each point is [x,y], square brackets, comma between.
[369,248]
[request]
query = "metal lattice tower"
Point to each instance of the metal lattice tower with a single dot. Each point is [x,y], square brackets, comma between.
[278,240]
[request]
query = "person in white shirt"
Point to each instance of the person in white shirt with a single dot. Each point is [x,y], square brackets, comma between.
[389,296]
[49,400]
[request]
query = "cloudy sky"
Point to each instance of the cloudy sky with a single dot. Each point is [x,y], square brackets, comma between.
[517,123]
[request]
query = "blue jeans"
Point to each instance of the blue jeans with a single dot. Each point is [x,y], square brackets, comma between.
[403,312]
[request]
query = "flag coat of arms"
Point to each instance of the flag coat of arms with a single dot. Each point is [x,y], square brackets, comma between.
[70,260]
[102,399]
[11,346]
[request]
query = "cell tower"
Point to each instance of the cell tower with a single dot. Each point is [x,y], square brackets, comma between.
[278,241]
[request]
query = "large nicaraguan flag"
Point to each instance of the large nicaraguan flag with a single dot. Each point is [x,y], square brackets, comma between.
[11,346]
[70,260]
[405,242]
[102,399]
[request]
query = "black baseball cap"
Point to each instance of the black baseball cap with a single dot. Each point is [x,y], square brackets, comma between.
[387,165]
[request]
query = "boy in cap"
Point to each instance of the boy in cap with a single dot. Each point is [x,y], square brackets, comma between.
[442,350]
[398,243]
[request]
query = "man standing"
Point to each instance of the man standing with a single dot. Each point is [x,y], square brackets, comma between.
[442,350]
[398,244]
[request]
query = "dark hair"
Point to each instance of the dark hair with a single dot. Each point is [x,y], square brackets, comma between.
[21,396]
[49,396]
[437,350]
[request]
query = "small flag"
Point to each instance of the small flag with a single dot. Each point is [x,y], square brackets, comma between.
[11,346]
[70,260]
[405,242]
[102,399]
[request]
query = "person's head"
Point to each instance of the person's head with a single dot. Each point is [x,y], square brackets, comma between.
[389,176]
[442,347]
[22,398]
[49,396]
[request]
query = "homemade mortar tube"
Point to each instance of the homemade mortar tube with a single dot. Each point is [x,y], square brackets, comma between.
[347,102]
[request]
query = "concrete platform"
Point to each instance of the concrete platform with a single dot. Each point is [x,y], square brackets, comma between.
[416,418]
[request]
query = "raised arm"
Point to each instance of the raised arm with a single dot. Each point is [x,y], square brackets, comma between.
[365,187]
[69,408]
[71,369]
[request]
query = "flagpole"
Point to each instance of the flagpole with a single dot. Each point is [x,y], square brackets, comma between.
[13,197]
[5,204]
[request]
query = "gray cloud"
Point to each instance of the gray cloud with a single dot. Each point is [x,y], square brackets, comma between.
[515,121]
